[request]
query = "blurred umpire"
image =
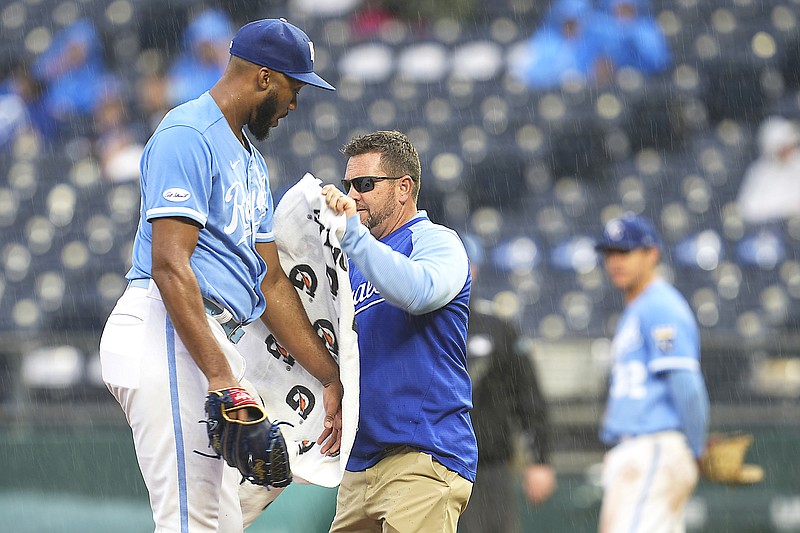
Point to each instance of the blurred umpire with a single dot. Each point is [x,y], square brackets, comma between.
[508,408]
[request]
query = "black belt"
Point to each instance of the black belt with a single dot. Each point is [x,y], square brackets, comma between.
[233,329]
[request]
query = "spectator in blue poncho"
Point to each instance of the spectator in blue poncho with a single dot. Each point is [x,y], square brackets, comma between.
[205,53]
[22,105]
[631,37]
[565,47]
[74,72]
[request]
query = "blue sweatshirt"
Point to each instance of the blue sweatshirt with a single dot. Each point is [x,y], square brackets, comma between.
[411,291]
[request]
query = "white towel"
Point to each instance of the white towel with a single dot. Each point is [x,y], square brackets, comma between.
[307,235]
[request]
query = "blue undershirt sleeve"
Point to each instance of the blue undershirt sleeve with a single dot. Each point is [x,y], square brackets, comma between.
[689,394]
[428,279]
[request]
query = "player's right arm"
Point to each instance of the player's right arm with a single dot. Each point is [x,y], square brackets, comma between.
[174,241]
[178,158]
[427,280]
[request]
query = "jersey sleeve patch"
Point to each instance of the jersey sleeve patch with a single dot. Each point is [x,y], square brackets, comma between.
[664,338]
[176,194]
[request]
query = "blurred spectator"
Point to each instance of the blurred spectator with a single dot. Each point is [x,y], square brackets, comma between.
[371,18]
[374,17]
[770,189]
[630,37]
[13,119]
[508,404]
[564,48]
[206,40]
[151,97]
[118,143]
[23,106]
[74,71]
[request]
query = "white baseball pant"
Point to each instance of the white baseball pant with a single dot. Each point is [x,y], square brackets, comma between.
[162,392]
[647,481]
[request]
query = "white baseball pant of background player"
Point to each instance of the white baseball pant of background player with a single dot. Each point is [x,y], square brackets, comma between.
[647,482]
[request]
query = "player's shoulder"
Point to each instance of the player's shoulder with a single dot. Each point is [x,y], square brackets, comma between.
[198,115]
[663,301]
[424,230]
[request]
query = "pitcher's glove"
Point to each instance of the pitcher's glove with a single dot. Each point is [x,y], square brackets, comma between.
[254,446]
[723,461]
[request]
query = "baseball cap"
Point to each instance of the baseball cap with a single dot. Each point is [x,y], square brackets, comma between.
[628,232]
[276,44]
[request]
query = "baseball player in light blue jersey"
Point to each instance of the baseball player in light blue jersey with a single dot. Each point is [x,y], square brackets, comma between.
[204,264]
[415,456]
[657,412]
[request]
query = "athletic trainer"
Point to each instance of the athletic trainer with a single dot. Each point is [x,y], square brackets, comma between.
[414,458]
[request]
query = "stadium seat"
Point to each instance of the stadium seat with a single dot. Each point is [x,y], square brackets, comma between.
[426,62]
[763,248]
[703,250]
[519,254]
[478,60]
[52,373]
[735,89]
[368,63]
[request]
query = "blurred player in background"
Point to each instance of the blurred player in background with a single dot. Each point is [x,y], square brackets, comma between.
[657,412]
[205,263]
[508,404]
[414,458]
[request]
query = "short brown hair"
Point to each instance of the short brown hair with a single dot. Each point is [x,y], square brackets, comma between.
[398,155]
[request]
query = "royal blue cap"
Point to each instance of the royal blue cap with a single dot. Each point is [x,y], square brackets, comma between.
[628,232]
[276,44]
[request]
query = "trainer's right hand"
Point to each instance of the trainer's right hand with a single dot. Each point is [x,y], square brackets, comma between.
[338,201]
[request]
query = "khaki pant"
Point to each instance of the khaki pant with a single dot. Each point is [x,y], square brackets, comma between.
[406,492]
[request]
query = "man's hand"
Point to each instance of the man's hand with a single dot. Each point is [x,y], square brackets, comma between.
[539,483]
[338,201]
[331,437]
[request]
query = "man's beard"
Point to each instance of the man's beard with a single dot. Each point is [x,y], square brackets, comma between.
[265,113]
[378,217]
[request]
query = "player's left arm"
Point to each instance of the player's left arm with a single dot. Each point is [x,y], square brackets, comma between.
[690,397]
[674,345]
[287,320]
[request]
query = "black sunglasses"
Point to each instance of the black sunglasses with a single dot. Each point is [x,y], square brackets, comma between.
[365,183]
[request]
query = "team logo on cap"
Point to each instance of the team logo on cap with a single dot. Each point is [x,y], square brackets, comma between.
[311,50]
[615,229]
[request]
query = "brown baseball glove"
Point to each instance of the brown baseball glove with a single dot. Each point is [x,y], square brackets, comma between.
[723,461]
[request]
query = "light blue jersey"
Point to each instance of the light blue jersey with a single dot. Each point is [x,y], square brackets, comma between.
[195,167]
[657,333]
